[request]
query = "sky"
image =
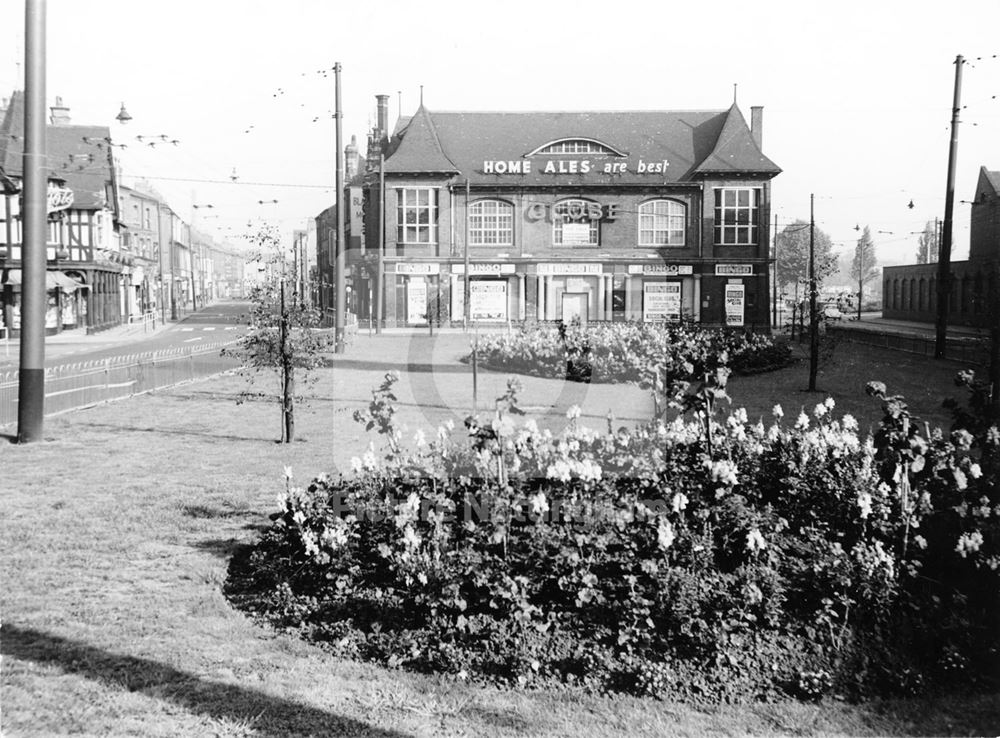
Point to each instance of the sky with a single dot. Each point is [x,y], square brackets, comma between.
[857,96]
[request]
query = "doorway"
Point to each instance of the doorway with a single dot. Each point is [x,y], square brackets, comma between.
[574,305]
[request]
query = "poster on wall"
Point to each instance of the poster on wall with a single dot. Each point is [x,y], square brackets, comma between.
[735,302]
[661,301]
[416,301]
[488,301]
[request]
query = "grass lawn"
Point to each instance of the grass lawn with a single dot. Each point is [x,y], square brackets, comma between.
[117,530]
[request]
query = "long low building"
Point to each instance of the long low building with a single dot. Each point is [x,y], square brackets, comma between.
[601,216]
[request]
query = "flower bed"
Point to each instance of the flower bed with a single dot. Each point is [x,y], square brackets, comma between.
[703,559]
[627,352]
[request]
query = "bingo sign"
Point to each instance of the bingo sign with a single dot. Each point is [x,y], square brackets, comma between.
[488,300]
[661,301]
[735,301]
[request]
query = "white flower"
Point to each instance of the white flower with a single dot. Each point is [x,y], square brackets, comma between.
[803,422]
[539,504]
[335,537]
[573,413]
[723,471]
[850,423]
[865,503]
[411,539]
[356,464]
[368,461]
[665,534]
[969,543]
[559,470]
[449,424]
[920,541]
[755,541]
[820,410]
[680,502]
[829,403]
[975,472]
[961,481]
[419,439]
[777,412]
[531,426]
[288,473]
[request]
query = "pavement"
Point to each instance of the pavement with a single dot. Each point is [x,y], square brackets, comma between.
[875,323]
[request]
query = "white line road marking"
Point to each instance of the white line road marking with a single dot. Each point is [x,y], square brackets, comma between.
[230,328]
[209,328]
[187,329]
[196,338]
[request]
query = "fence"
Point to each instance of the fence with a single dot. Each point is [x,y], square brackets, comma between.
[74,386]
[968,350]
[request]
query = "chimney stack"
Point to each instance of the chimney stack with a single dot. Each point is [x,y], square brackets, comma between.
[351,159]
[383,115]
[59,113]
[757,125]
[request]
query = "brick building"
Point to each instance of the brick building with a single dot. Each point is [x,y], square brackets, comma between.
[604,216]
[910,292]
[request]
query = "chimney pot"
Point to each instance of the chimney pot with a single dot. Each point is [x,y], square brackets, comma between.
[59,113]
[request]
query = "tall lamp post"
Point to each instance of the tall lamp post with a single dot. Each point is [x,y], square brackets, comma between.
[340,262]
[31,371]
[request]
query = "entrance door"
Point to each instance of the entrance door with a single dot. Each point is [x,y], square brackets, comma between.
[574,305]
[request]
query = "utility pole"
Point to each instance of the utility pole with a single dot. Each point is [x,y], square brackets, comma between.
[944,254]
[31,371]
[774,308]
[341,255]
[813,317]
[380,277]
[466,285]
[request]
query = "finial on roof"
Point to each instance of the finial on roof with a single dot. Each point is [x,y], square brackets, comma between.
[734,93]
[421,95]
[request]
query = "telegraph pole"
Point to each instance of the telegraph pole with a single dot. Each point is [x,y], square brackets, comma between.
[380,277]
[341,257]
[944,253]
[31,373]
[774,308]
[813,322]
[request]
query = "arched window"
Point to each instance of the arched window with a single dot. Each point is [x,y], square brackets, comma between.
[662,223]
[895,294]
[575,146]
[576,223]
[491,223]
[922,304]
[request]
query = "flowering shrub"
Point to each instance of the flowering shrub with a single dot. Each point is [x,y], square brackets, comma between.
[627,352]
[705,558]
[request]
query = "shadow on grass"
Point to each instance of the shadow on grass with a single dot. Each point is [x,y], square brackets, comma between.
[400,366]
[224,548]
[274,716]
[206,434]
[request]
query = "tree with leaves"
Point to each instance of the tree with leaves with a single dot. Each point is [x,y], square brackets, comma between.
[864,266]
[283,336]
[928,244]
[792,258]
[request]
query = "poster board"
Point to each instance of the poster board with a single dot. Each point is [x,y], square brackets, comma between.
[735,304]
[416,301]
[488,300]
[661,301]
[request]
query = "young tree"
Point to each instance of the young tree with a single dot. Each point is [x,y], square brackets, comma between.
[864,267]
[282,338]
[927,244]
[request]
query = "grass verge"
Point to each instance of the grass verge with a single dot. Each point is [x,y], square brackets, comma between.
[117,530]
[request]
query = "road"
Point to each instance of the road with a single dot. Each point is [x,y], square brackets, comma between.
[221,321]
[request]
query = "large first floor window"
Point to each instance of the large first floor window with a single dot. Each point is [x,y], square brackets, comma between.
[662,223]
[737,214]
[416,215]
[491,223]
[576,223]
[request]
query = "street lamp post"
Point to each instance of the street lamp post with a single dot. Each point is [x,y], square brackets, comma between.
[31,371]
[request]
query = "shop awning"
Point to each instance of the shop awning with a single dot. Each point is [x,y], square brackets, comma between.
[53,280]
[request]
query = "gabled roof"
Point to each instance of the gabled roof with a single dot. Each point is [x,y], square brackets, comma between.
[420,148]
[988,184]
[735,150]
[692,143]
[77,155]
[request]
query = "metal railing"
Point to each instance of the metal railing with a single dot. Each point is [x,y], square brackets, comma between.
[83,384]
[147,319]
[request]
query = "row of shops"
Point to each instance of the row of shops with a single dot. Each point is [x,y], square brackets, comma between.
[420,292]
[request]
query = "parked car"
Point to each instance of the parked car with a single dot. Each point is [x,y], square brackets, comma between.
[832,312]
